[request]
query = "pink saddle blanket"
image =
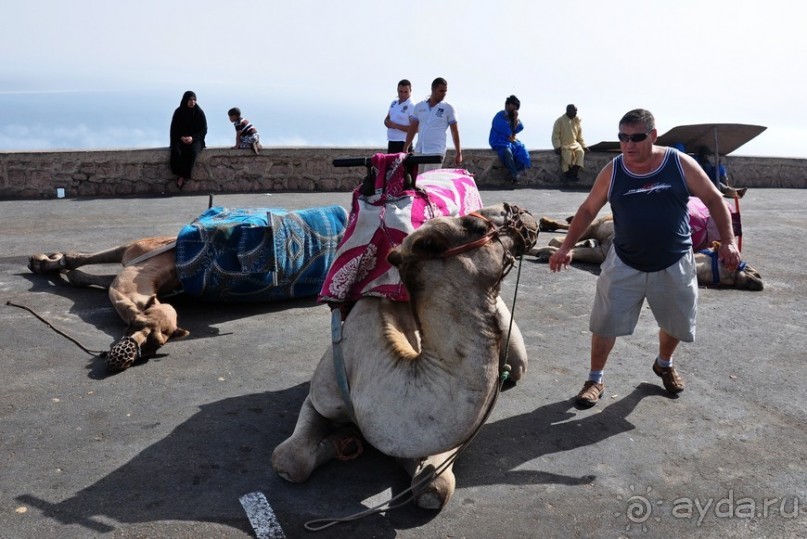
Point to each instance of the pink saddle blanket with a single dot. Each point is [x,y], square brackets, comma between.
[381,221]
[702,226]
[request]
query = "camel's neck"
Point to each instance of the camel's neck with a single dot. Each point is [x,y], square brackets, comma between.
[442,393]
[459,331]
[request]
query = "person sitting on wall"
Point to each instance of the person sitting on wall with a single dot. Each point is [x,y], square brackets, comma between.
[512,152]
[246,134]
[567,140]
[188,131]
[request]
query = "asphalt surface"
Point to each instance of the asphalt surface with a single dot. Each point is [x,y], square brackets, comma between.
[169,447]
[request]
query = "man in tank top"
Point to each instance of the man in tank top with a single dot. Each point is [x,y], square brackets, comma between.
[651,259]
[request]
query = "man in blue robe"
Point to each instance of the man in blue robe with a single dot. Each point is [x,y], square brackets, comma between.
[512,152]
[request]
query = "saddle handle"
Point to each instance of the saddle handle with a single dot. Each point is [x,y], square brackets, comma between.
[411,159]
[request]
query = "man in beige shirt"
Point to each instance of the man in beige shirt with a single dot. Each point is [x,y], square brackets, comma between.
[567,139]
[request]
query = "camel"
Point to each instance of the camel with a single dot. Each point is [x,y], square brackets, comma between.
[150,270]
[596,241]
[420,375]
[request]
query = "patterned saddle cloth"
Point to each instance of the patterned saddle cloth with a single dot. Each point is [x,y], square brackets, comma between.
[258,254]
[702,226]
[380,221]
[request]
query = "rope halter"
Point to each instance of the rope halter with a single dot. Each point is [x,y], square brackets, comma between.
[513,226]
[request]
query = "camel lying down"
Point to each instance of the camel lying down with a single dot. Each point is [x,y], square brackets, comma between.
[598,237]
[209,252]
[420,375]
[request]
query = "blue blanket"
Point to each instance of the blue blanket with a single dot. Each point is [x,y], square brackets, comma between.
[260,254]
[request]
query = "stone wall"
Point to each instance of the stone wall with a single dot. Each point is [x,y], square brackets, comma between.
[31,175]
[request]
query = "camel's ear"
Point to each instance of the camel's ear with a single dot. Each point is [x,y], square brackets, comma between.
[394,257]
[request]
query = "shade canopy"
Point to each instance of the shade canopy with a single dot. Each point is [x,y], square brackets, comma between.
[716,138]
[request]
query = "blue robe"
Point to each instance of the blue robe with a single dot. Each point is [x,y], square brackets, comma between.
[499,140]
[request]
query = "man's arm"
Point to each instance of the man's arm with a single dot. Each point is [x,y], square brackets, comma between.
[519,126]
[586,213]
[411,132]
[702,187]
[392,125]
[455,136]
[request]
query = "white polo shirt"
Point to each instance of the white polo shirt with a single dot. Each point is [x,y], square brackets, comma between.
[399,114]
[433,123]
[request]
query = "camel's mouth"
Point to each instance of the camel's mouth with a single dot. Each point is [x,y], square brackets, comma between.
[122,354]
[524,226]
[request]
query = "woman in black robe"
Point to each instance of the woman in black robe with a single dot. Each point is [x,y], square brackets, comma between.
[188,130]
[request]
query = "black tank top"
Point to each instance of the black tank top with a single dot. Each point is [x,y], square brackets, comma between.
[651,222]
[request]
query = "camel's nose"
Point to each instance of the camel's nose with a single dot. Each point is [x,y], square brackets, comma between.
[753,279]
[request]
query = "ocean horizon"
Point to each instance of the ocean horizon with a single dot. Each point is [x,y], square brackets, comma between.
[129,119]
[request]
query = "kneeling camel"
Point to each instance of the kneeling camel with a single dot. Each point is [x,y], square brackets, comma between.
[421,375]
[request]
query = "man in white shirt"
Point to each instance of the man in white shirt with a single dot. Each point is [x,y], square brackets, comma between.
[429,120]
[397,120]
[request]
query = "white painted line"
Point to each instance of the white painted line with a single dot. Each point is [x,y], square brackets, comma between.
[261,516]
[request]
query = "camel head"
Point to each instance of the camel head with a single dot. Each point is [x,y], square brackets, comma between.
[509,227]
[144,336]
[710,270]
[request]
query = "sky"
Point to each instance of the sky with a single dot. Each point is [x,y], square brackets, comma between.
[90,74]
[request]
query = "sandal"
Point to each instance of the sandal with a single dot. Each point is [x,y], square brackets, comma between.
[590,394]
[670,377]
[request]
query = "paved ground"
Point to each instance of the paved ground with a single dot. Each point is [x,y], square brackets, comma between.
[167,448]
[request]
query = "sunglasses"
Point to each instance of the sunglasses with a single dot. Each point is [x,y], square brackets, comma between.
[636,137]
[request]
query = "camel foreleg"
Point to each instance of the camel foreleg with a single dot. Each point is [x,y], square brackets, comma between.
[431,493]
[313,443]
[82,278]
[49,263]
[547,224]
[516,359]
[542,252]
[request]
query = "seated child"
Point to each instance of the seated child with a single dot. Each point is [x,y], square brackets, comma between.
[246,134]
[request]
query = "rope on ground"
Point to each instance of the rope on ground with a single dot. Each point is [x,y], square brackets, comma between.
[95,353]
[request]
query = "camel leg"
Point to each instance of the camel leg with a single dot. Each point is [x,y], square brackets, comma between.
[516,351]
[547,251]
[542,252]
[546,224]
[588,255]
[81,278]
[48,263]
[584,251]
[313,443]
[432,494]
